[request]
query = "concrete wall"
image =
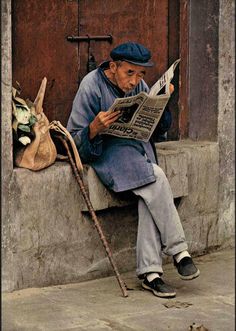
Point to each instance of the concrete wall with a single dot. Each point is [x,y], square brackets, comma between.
[226,120]
[203,69]
[8,227]
[55,242]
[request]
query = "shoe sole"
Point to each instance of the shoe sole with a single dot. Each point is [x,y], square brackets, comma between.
[159,294]
[190,277]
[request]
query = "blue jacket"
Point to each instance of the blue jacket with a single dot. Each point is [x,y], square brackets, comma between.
[122,164]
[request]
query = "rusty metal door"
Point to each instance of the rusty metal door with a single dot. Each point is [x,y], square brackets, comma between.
[41,47]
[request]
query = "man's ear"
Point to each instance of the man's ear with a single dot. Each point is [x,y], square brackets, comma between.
[113,67]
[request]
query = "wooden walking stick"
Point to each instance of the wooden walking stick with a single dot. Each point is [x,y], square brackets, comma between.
[78,172]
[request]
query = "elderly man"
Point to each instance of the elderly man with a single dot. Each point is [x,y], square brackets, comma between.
[130,165]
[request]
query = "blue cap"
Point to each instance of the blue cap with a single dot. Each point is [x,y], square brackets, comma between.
[132,52]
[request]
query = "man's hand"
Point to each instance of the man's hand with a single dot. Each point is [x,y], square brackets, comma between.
[102,121]
[171,88]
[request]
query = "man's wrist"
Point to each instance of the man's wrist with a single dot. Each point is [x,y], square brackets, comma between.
[92,131]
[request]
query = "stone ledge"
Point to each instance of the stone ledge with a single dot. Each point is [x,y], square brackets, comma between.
[172,161]
[172,158]
[174,164]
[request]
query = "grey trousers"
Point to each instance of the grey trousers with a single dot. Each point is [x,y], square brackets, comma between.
[159,226]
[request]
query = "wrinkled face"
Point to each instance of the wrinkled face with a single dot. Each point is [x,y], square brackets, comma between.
[126,75]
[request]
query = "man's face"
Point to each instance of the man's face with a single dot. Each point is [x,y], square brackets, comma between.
[126,75]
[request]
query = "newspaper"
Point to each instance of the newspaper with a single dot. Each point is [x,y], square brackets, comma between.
[141,113]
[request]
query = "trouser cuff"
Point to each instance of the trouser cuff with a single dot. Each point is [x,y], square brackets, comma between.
[141,273]
[176,249]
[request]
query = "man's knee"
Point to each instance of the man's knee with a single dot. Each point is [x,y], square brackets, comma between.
[158,172]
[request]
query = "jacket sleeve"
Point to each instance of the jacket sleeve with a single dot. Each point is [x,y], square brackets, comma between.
[86,106]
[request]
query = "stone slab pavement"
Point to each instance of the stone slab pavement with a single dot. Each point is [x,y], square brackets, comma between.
[207,301]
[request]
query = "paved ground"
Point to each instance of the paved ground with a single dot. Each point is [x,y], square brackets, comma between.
[99,305]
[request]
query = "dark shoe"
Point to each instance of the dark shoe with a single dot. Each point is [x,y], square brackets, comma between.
[159,288]
[186,268]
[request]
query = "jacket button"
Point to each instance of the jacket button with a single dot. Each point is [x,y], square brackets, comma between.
[149,161]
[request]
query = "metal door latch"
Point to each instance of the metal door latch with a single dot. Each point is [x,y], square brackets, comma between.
[89,38]
[91,63]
